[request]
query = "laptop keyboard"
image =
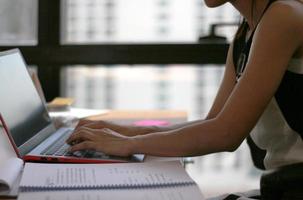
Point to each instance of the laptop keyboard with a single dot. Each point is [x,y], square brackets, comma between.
[60,148]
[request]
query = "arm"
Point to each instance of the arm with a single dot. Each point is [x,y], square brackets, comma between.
[226,87]
[275,41]
[87,126]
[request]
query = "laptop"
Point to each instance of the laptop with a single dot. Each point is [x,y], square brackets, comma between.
[28,124]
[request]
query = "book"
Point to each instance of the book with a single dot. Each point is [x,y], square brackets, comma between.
[155,180]
[10,173]
[10,165]
[60,104]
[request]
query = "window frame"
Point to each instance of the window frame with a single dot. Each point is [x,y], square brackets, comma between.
[49,55]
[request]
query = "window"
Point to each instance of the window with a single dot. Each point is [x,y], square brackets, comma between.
[99,21]
[18,22]
[185,87]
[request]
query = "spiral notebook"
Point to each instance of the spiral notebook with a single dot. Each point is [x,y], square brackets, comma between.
[41,176]
[172,193]
[138,180]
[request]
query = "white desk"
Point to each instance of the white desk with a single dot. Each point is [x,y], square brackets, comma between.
[121,116]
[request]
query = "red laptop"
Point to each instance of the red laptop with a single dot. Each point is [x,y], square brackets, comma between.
[28,123]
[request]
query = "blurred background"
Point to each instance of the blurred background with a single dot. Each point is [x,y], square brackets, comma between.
[133,54]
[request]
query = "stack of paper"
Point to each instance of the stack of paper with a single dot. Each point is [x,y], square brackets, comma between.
[158,180]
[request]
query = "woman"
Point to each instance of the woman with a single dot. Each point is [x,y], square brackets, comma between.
[259,98]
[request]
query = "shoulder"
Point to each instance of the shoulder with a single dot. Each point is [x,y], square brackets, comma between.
[286,10]
[287,5]
[285,16]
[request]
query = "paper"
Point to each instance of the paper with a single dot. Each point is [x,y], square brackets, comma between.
[127,181]
[9,173]
[103,176]
[6,149]
[175,193]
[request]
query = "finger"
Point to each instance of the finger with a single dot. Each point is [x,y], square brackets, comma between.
[92,124]
[82,128]
[86,145]
[83,136]
[112,132]
[83,122]
[80,136]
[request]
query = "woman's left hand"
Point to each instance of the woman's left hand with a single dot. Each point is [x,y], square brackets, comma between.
[104,140]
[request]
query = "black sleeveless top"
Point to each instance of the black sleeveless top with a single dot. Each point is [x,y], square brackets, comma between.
[289,95]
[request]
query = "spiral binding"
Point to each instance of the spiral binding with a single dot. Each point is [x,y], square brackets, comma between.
[105,187]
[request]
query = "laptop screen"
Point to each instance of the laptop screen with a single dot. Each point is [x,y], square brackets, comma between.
[20,104]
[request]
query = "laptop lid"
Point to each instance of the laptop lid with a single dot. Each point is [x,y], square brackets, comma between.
[22,109]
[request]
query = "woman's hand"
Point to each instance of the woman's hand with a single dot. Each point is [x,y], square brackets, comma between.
[104,140]
[126,130]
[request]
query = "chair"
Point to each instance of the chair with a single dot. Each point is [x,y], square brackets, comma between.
[284,183]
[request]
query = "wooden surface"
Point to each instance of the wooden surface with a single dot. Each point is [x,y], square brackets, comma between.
[129,116]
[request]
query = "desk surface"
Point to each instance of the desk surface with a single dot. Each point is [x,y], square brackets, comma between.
[127,116]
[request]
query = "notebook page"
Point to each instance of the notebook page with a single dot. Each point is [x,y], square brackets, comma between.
[38,175]
[175,193]
[9,172]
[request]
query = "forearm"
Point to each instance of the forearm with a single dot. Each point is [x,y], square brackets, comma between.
[180,125]
[191,140]
[144,130]
[153,129]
